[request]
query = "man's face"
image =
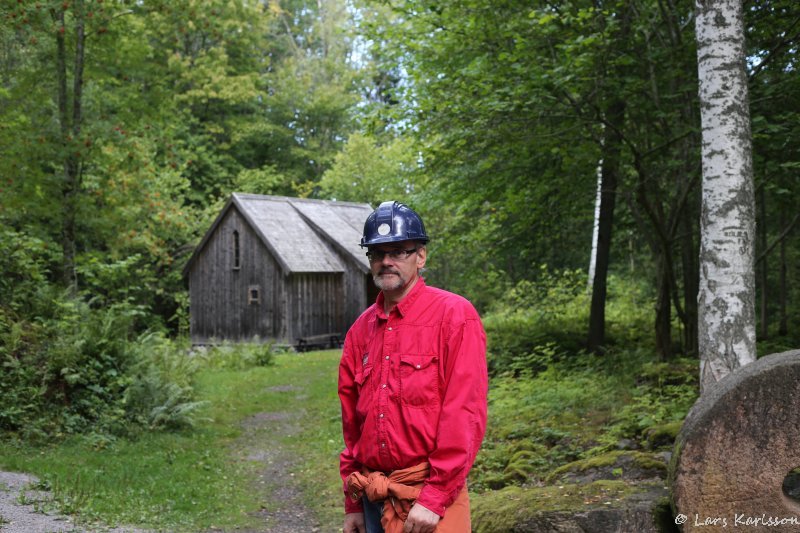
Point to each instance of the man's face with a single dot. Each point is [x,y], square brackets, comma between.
[394,273]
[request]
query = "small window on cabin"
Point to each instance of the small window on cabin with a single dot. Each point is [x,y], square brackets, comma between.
[253,295]
[237,255]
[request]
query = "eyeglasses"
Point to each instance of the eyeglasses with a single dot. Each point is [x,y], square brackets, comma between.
[394,255]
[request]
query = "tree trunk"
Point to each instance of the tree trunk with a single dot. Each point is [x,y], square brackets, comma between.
[726,322]
[783,328]
[596,225]
[70,126]
[609,176]
[690,288]
[763,318]
[663,307]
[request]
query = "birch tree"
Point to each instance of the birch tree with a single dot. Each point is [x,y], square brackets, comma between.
[727,223]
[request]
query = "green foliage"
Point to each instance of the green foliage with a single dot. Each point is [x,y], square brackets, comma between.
[161,393]
[25,263]
[662,395]
[236,356]
[204,478]
[536,322]
[80,369]
[579,406]
[367,172]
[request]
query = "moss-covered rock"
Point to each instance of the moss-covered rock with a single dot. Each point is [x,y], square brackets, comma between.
[661,435]
[602,506]
[619,464]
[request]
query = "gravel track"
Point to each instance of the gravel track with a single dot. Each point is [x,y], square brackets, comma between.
[25,510]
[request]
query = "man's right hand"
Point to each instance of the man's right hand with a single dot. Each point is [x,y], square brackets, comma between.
[354,523]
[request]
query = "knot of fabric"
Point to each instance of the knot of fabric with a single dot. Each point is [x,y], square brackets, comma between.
[398,491]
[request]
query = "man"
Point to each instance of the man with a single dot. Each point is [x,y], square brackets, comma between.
[412,384]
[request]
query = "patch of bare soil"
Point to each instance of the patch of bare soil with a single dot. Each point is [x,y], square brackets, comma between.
[283,510]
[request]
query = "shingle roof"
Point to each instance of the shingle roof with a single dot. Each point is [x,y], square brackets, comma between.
[301,232]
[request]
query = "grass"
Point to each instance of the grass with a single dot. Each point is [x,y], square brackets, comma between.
[172,480]
[169,481]
[311,397]
[191,481]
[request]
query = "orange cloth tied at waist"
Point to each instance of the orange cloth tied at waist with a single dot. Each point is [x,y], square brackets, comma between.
[399,490]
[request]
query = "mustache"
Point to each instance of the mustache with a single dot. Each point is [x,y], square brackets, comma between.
[388,271]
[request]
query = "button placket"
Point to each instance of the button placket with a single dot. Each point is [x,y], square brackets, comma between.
[383,392]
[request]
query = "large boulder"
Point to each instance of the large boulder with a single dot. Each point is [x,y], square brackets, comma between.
[736,447]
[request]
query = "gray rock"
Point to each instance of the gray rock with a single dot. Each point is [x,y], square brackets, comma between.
[636,515]
[737,445]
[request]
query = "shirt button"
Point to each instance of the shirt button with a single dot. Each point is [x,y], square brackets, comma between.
[390,329]
[418,366]
[380,415]
[383,386]
[383,445]
[387,357]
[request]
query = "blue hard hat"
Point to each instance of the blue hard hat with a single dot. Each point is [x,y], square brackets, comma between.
[393,222]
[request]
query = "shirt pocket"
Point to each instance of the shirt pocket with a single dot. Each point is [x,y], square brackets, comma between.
[364,387]
[419,380]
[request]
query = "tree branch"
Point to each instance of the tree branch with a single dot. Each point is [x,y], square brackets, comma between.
[782,236]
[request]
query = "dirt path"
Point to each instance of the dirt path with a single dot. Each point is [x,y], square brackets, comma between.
[260,444]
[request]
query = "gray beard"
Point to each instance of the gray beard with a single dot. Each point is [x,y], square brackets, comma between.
[388,284]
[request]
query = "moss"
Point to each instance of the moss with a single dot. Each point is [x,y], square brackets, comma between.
[527,445]
[662,434]
[648,461]
[643,460]
[500,510]
[519,467]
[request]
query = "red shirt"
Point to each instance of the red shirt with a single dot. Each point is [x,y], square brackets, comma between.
[413,388]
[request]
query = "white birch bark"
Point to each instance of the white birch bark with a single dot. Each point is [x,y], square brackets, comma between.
[596,226]
[726,298]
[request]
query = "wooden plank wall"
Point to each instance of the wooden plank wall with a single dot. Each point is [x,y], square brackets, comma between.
[316,302]
[355,296]
[219,293]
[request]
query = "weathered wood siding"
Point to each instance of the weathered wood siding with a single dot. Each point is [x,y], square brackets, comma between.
[316,302]
[355,300]
[221,303]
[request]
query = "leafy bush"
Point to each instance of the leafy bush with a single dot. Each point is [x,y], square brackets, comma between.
[161,392]
[538,318]
[663,393]
[24,268]
[80,369]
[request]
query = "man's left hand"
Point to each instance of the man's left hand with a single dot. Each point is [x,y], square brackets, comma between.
[421,520]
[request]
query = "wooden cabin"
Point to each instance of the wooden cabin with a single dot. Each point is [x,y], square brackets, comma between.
[287,270]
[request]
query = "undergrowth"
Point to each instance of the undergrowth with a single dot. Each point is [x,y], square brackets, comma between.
[551,402]
[578,405]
